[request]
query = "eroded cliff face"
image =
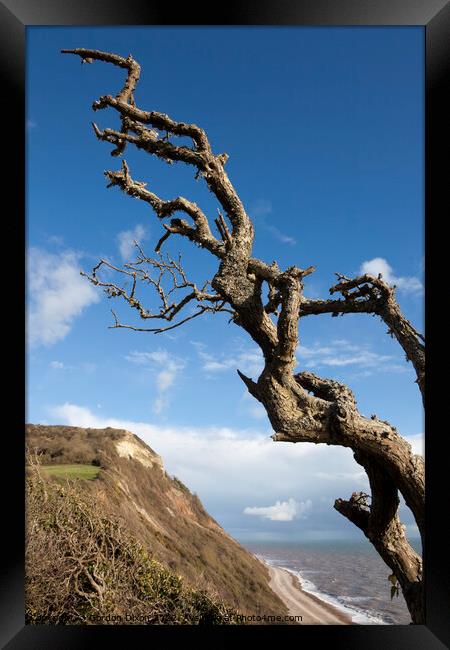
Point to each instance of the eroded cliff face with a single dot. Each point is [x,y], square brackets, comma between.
[133,486]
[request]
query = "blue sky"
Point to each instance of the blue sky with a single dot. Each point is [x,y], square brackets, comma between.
[324,129]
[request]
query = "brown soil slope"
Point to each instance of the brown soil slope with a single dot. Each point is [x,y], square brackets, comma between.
[161,512]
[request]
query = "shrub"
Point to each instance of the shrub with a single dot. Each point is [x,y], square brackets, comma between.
[84,568]
[181,485]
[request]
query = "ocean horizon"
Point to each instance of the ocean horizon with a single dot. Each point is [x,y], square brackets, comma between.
[347,574]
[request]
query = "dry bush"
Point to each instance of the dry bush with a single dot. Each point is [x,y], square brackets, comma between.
[186,529]
[84,568]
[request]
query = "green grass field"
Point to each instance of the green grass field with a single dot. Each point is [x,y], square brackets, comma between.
[88,472]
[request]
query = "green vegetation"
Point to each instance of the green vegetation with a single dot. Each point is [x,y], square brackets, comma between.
[178,532]
[181,485]
[88,472]
[85,568]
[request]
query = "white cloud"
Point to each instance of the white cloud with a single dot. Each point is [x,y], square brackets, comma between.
[160,403]
[337,353]
[126,239]
[366,358]
[58,294]
[249,360]
[231,465]
[356,476]
[380,265]
[85,366]
[282,510]
[341,353]
[56,240]
[231,468]
[88,366]
[168,368]
[143,358]
[285,239]
[417,442]
[260,210]
[165,378]
[412,530]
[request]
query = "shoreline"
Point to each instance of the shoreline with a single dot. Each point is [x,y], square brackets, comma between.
[314,611]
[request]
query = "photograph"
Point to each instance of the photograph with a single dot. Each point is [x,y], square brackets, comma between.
[225,268]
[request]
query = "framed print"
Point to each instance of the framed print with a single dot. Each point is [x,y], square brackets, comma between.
[266,286]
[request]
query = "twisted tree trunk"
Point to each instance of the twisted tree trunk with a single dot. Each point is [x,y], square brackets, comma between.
[330,416]
[301,407]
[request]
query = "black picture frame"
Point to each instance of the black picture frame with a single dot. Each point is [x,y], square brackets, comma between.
[15,16]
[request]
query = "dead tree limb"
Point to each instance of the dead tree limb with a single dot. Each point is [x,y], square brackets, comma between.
[369,295]
[301,407]
[155,272]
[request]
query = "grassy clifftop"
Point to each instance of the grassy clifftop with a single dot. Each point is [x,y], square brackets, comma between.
[83,567]
[132,487]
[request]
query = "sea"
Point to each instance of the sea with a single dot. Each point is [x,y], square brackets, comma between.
[349,575]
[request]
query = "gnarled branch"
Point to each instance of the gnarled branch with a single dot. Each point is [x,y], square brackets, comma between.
[126,94]
[370,295]
[165,268]
[210,166]
[380,523]
[201,234]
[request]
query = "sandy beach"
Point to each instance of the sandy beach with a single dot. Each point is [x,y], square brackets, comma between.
[313,610]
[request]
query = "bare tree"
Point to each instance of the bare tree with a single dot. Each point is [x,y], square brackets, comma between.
[301,407]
